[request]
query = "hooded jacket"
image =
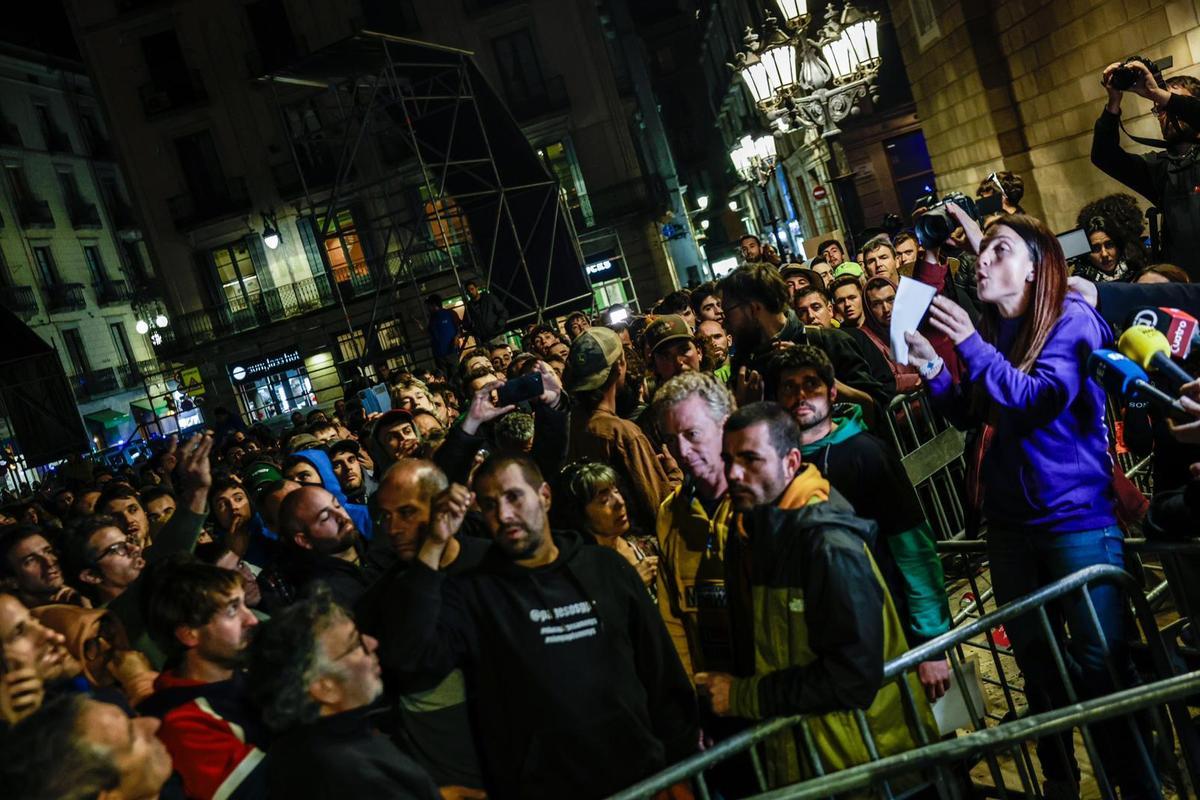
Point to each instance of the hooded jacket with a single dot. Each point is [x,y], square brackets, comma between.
[579,690]
[324,467]
[822,627]
[1048,465]
[869,475]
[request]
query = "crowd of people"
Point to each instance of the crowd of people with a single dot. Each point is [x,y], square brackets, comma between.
[568,557]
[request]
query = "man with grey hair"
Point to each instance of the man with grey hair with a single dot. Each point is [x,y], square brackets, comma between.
[316,676]
[433,720]
[879,259]
[693,521]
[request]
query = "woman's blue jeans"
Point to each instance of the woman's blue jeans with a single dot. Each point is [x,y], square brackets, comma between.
[1023,561]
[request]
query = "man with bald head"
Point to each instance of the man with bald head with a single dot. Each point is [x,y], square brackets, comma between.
[320,542]
[434,720]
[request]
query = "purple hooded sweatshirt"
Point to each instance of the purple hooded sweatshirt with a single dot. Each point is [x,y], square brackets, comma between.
[1048,465]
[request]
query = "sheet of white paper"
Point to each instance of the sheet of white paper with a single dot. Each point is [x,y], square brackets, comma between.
[912,300]
[950,712]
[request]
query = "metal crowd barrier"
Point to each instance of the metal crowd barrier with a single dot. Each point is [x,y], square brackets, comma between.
[942,765]
[932,452]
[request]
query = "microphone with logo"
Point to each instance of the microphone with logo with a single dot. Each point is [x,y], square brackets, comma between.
[1180,328]
[1152,352]
[1125,380]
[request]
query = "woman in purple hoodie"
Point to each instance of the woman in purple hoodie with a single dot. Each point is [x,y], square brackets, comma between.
[1047,475]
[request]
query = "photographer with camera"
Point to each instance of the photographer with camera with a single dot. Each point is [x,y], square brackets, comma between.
[1167,178]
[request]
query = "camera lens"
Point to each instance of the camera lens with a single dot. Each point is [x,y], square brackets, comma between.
[933,228]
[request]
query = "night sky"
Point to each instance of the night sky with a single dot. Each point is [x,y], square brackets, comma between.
[42,26]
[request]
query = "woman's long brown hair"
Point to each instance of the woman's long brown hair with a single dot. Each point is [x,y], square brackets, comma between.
[1049,291]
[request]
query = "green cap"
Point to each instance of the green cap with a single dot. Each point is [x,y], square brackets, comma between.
[666,329]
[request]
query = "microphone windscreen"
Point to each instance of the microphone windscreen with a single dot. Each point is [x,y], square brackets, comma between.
[1141,344]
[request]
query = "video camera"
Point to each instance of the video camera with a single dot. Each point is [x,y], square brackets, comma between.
[934,227]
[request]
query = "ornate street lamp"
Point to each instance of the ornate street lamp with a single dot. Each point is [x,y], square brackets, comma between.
[798,81]
[754,158]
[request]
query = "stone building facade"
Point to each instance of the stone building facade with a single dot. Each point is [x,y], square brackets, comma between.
[1015,85]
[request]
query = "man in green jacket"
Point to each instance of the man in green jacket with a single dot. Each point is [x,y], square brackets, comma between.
[104,559]
[813,620]
[868,473]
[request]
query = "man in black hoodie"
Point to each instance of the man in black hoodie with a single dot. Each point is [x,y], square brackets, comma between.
[579,690]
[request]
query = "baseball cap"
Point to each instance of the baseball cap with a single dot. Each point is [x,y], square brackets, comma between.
[303,441]
[343,446]
[665,329]
[259,474]
[788,270]
[848,268]
[592,354]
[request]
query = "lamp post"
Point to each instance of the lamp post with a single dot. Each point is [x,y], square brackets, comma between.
[755,158]
[798,81]
[803,79]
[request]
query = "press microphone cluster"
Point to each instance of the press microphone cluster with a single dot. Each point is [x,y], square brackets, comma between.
[1124,379]
[1152,351]
[1180,328]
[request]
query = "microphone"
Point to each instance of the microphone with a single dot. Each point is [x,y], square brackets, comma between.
[1181,328]
[1123,378]
[1151,350]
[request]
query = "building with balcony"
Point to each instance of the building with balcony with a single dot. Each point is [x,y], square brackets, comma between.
[214,152]
[71,258]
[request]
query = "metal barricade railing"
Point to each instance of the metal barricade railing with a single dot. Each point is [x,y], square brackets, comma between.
[932,452]
[940,761]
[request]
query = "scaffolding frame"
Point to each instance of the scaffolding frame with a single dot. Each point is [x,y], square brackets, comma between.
[378,96]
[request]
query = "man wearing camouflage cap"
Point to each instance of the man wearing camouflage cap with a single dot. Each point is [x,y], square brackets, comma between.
[672,346]
[595,373]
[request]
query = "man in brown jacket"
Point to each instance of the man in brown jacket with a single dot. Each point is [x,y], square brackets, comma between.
[595,373]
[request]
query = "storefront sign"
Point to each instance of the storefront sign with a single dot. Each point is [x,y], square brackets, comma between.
[602,267]
[265,365]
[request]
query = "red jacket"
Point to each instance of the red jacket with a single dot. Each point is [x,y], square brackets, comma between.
[213,733]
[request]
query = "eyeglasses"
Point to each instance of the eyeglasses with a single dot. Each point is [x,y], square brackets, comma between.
[124,548]
[359,644]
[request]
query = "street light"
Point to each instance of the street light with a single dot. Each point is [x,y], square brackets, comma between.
[754,158]
[142,327]
[801,82]
[160,321]
[270,234]
[702,201]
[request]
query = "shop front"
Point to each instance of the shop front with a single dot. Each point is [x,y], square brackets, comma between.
[273,385]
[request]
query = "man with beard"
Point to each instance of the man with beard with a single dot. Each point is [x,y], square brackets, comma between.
[357,485]
[578,690]
[758,316]
[595,375]
[199,616]
[1164,177]
[320,543]
[316,678]
[869,475]
[813,621]
[29,560]
[716,344]
[432,720]
[750,248]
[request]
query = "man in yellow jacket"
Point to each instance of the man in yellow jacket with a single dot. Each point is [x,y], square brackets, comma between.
[812,617]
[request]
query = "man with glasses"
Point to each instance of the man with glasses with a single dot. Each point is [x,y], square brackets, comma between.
[108,564]
[757,313]
[316,677]
[199,615]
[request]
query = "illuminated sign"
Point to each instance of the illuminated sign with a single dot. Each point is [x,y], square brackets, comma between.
[265,365]
[602,267]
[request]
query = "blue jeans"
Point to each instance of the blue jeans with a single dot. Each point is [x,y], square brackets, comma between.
[1023,561]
